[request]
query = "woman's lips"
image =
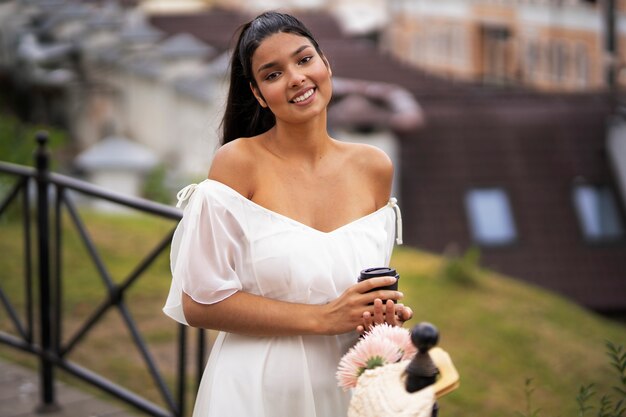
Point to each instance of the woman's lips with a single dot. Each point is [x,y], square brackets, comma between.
[304,97]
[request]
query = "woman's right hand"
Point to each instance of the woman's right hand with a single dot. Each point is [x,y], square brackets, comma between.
[394,314]
[345,313]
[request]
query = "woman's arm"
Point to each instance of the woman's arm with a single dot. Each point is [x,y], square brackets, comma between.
[255,315]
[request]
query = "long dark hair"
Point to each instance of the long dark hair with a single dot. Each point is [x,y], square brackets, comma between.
[244,117]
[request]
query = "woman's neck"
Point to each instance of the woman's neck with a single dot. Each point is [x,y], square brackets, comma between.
[303,143]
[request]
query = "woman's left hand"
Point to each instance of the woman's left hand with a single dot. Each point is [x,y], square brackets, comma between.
[390,313]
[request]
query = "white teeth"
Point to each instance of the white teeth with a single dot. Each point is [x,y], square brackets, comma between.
[303,96]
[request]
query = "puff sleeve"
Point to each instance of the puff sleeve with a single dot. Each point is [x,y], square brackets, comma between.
[206,253]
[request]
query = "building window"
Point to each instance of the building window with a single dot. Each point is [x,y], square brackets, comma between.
[598,213]
[459,51]
[554,61]
[497,53]
[582,65]
[532,60]
[416,48]
[561,61]
[490,216]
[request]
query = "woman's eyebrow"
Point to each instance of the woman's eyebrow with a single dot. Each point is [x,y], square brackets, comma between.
[274,63]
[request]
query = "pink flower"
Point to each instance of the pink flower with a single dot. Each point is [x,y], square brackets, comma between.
[400,337]
[368,353]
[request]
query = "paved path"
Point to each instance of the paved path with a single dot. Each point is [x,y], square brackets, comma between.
[19,396]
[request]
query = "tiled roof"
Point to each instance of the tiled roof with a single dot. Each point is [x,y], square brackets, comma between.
[216,27]
[185,45]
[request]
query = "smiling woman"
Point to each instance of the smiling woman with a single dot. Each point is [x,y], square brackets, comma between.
[294,85]
[271,244]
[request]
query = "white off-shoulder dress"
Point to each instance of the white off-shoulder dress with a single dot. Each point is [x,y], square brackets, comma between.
[226,243]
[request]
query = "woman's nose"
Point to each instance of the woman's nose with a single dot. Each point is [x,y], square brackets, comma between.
[297,79]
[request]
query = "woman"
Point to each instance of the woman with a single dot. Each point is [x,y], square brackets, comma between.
[270,246]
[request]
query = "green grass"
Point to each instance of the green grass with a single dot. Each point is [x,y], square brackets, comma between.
[498,331]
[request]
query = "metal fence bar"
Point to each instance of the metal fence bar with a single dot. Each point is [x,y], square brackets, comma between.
[112,289]
[12,314]
[151,257]
[165,393]
[45,310]
[89,244]
[144,206]
[58,260]
[12,194]
[182,366]
[24,330]
[117,391]
[25,174]
[28,262]
[49,348]
[200,357]
[17,170]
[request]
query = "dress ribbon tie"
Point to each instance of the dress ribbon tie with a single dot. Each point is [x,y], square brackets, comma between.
[184,194]
[393,203]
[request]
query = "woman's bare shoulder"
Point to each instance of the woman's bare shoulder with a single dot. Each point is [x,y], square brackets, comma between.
[368,159]
[374,166]
[374,158]
[234,165]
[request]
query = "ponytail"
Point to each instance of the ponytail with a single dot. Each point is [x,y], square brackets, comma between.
[244,116]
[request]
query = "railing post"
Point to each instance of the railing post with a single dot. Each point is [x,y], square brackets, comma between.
[42,163]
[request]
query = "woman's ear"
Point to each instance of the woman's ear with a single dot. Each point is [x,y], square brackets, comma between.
[258,95]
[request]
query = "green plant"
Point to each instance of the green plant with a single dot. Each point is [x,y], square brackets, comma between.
[584,394]
[528,393]
[617,360]
[617,356]
[463,269]
[154,187]
[605,406]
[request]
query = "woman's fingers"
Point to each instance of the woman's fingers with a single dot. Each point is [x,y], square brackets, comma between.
[383,312]
[367,296]
[379,311]
[390,313]
[385,295]
[368,322]
[406,313]
[370,284]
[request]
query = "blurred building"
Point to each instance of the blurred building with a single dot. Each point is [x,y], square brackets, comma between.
[100,68]
[523,175]
[355,17]
[554,45]
[524,155]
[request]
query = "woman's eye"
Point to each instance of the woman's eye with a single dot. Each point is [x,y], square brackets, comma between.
[272,76]
[305,60]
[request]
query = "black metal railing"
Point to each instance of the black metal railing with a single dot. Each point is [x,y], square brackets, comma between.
[52,197]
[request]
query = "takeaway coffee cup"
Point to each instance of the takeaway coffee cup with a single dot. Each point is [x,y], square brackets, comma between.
[380,272]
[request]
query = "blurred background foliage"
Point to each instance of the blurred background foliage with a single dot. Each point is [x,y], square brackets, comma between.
[17,140]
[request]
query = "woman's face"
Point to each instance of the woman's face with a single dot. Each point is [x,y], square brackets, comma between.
[292,79]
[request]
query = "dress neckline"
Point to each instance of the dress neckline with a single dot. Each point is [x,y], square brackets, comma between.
[184,194]
[294,221]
